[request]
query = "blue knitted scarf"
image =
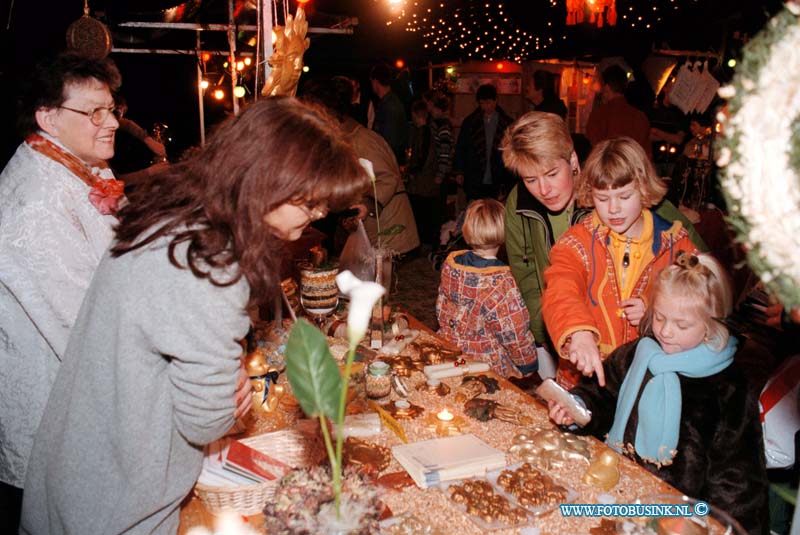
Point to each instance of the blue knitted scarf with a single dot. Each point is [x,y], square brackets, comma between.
[660,404]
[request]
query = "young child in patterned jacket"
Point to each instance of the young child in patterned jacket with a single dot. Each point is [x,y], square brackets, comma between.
[480,308]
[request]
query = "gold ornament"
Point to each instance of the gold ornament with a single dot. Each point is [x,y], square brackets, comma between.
[446,428]
[603,473]
[403,410]
[549,448]
[366,456]
[263,378]
[287,59]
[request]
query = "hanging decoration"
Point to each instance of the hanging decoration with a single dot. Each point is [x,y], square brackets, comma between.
[88,36]
[287,58]
[599,11]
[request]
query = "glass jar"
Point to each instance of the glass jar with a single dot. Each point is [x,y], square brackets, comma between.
[378,380]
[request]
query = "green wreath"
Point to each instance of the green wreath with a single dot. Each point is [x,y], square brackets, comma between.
[759,154]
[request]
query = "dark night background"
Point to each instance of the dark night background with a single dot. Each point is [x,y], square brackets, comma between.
[161,88]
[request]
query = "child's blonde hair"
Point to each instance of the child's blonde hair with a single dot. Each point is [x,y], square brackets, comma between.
[615,163]
[537,139]
[484,224]
[702,279]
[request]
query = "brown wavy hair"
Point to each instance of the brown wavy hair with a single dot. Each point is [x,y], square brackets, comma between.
[278,150]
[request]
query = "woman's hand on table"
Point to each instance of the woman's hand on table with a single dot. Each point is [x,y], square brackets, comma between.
[242,398]
[633,310]
[585,355]
[559,414]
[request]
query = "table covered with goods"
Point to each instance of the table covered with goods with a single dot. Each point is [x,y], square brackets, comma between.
[432,443]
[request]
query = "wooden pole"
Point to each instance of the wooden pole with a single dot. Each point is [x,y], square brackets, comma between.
[232,60]
[200,93]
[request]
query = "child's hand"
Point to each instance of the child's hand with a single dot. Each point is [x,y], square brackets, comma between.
[583,353]
[559,414]
[633,310]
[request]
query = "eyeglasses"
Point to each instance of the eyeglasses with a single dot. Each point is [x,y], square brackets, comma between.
[314,212]
[98,115]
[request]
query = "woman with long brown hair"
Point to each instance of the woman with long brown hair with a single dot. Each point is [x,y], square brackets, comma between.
[151,369]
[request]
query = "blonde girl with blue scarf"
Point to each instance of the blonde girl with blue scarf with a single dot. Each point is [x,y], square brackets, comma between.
[676,402]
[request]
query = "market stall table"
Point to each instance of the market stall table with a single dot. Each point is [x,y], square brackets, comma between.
[434,507]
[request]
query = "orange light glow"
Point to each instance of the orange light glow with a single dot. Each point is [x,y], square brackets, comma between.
[302,2]
[248,61]
[219,94]
[239,65]
[399,63]
[206,56]
[500,66]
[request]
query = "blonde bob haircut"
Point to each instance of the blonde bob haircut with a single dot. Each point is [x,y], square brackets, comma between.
[484,224]
[615,163]
[536,140]
[702,281]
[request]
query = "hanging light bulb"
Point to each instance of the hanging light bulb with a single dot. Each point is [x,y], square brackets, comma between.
[219,94]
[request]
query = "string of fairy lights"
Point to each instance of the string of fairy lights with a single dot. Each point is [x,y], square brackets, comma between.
[492,29]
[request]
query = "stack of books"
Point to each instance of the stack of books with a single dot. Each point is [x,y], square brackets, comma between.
[433,462]
[229,462]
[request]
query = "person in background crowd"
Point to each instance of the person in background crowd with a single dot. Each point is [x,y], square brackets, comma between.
[478,165]
[480,308]
[421,175]
[153,371]
[544,95]
[542,206]
[615,117]
[390,114]
[394,207]
[57,200]
[136,152]
[601,269]
[663,390]
[442,131]
[155,150]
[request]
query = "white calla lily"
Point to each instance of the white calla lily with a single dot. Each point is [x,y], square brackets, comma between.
[367,165]
[363,296]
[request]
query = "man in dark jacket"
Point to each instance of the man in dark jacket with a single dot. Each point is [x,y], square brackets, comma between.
[478,164]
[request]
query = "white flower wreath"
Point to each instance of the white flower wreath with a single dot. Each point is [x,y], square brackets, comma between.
[759,153]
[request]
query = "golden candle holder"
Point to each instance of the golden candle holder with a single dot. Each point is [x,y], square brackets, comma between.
[445,423]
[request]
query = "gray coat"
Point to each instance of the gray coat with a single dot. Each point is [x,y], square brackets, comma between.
[148,378]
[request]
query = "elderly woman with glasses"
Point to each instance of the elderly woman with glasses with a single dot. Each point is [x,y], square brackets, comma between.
[57,198]
[153,365]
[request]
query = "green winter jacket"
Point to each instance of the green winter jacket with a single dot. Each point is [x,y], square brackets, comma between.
[529,238]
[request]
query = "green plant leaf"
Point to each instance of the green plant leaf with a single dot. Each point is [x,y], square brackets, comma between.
[312,371]
[391,231]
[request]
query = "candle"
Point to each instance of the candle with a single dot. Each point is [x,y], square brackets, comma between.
[445,415]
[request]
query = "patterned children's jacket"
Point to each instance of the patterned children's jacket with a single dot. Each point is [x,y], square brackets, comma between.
[480,309]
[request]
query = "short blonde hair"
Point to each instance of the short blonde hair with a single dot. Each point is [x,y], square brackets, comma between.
[703,280]
[537,139]
[484,223]
[615,163]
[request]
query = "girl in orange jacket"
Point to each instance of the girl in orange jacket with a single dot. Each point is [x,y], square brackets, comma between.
[601,269]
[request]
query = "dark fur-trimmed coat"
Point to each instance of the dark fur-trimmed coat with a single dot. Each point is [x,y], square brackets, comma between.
[720,455]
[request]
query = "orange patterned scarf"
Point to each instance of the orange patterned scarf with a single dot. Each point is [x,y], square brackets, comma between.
[104,195]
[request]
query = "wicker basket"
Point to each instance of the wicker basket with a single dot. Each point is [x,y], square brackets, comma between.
[291,447]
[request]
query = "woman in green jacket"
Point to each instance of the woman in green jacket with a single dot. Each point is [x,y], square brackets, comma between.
[541,206]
